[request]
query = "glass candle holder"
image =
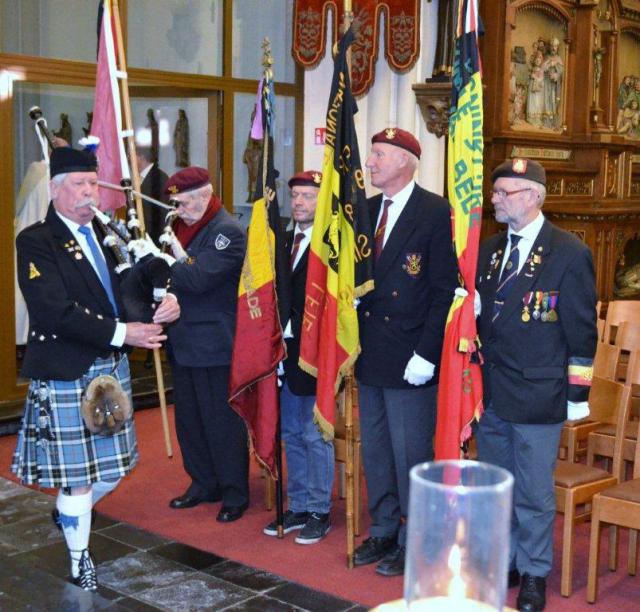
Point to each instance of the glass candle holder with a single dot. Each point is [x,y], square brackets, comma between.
[458,537]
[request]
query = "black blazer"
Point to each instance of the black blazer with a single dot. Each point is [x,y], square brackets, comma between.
[526,358]
[71,321]
[153,186]
[415,279]
[298,380]
[207,290]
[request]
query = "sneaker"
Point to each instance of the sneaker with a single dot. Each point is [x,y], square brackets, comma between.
[87,578]
[290,522]
[316,528]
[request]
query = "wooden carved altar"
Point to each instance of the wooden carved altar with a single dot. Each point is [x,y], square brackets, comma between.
[562,85]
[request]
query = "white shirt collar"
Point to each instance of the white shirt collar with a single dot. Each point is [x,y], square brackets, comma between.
[143,173]
[402,197]
[529,232]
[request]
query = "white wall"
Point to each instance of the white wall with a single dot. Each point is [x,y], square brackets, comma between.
[391,102]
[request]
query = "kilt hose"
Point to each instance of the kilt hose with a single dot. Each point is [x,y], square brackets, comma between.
[55,449]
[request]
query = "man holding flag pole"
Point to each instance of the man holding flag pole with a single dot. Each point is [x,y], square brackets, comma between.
[263,300]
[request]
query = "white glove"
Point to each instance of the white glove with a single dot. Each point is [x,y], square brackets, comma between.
[287,333]
[280,373]
[178,251]
[577,410]
[142,247]
[418,371]
[477,303]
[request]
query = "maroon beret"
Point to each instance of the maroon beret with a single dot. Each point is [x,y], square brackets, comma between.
[187,179]
[522,169]
[308,178]
[399,138]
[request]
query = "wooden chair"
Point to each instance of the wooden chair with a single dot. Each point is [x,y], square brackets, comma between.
[573,438]
[627,340]
[617,312]
[601,440]
[576,483]
[617,506]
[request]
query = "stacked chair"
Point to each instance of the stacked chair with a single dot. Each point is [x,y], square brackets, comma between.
[597,490]
[577,483]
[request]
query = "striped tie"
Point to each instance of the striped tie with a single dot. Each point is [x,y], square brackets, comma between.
[382,226]
[296,247]
[508,276]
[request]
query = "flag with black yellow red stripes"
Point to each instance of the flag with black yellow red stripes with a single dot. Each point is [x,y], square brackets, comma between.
[263,300]
[340,256]
[460,383]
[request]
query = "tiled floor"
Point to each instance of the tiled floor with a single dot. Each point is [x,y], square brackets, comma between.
[137,570]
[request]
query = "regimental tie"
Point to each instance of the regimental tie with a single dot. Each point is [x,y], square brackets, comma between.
[508,276]
[101,265]
[382,226]
[296,247]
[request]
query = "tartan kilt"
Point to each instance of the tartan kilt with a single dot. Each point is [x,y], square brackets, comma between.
[54,447]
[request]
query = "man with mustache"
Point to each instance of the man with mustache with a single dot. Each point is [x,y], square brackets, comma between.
[76,333]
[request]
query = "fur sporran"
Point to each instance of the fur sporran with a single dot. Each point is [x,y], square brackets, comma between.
[105,406]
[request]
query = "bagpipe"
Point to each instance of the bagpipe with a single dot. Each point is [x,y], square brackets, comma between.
[144,270]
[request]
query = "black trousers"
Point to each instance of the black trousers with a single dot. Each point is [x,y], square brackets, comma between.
[212,437]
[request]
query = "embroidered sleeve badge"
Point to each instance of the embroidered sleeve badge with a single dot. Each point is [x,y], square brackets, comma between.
[33,271]
[222,242]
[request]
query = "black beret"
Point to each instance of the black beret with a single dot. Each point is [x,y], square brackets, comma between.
[520,168]
[187,179]
[66,159]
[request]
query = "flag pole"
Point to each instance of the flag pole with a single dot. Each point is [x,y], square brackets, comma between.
[267,64]
[349,388]
[127,134]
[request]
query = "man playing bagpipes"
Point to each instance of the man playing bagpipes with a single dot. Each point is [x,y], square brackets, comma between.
[77,434]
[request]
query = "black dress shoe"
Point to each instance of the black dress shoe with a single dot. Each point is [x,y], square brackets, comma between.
[373,549]
[189,501]
[392,563]
[514,578]
[229,514]
[531,597]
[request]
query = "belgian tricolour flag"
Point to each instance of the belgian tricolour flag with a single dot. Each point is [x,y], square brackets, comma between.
[460,388]
[339,268]
[258,346]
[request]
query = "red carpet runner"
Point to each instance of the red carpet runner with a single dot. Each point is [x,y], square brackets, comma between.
[142,500]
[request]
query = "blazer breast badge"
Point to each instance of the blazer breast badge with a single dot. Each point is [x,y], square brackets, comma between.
[412,265]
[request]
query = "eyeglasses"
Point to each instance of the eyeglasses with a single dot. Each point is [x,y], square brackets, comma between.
[502,194]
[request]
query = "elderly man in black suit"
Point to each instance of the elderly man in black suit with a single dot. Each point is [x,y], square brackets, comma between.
[538,334]
[310,458]
[153,179]
[401,332]
[209,246]
[77,333]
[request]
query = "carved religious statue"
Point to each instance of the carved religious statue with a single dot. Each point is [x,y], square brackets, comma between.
[152,124]
[65,131]
[181,140]
[251,157]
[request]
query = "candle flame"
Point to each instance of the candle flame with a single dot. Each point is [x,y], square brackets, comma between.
[457,587]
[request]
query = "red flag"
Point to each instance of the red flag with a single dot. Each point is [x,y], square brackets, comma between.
[258,346]
[107,116]
[460,384]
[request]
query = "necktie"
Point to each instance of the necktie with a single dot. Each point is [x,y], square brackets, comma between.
[101,265]
[296,247]
[507,277]
[379,235]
